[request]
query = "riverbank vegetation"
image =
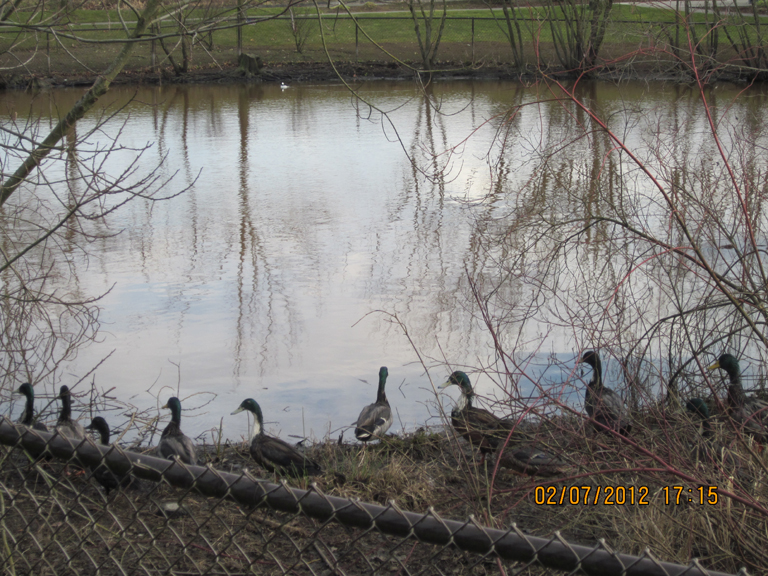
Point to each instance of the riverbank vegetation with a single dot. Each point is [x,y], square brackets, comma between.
[650,492]
[599,38]
[654,255]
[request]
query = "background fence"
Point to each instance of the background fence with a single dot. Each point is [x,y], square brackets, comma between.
[563,34]
[197,520]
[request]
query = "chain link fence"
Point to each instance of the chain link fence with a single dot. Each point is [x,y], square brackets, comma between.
[174,519]
[551,35]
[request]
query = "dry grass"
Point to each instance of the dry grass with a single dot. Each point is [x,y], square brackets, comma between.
[434,469]
[68,516]
[58,522]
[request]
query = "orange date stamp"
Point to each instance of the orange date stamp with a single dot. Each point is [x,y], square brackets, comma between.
[621,495]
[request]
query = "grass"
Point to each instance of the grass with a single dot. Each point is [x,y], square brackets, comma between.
[435,469]
[60,519]
[56,520]
[471,34]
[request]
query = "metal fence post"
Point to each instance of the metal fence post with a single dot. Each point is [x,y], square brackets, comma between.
[153,54]
[240,20]
[473,41]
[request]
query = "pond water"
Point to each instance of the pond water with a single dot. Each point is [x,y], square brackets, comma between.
[309,250]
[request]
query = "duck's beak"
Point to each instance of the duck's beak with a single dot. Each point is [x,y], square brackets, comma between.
[714,366]
[164,407]
[240,409]
[445,384]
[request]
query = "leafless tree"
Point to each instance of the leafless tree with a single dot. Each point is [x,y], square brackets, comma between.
[428,26]
[56,196]
[301,25]
[181,28]
[57,193]
[514,24]
[578,30]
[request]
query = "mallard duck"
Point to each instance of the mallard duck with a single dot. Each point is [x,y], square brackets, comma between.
[173,442]
[376,418]
[478,426]
[603,405]
[698,408]
[750,413]
[531,461]
[29,411]
[272,453]
[706,450]
[104,476]
[65,425]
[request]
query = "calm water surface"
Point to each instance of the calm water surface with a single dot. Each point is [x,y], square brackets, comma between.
[308,243]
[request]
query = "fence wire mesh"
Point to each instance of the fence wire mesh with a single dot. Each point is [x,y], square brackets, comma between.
[543,37]
[179,519]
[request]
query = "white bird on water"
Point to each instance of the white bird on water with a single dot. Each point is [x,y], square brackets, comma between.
[283,86]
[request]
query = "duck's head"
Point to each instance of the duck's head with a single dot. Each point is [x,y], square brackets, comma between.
[461,380]
[383,373]
[258,420]
[99,425]
[727,362]
[64,392]
[252,406]
[697,407]
[27,390]
[589,357]
[174,405]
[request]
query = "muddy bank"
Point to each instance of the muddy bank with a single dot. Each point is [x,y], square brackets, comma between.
[278,72]
[308,72]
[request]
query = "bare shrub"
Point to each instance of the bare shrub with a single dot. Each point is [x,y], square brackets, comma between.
[301,24]
[639,233]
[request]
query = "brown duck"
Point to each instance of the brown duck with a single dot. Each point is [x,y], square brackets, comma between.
[604,406]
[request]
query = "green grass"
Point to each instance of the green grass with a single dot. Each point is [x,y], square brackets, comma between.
[476,33]
[390,30]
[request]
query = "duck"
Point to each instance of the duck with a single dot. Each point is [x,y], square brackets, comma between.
[750,413]
[65,425]
[698,408]
[376,418]
[532,461]
[707,450]
[103,475]
[604,406]
[173,442]
[274,454]
[480,427]
[28,418]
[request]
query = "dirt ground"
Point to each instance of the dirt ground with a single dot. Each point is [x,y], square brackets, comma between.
[289,72]
[58,520]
